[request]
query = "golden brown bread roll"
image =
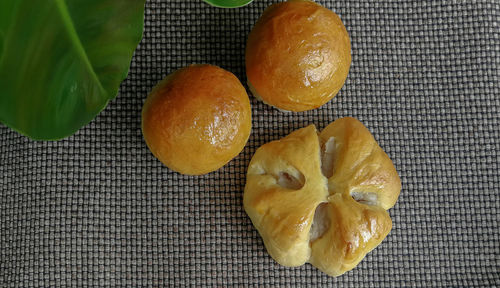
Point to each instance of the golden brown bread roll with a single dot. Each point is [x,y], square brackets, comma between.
[197,119]
[322,198]
[297,56]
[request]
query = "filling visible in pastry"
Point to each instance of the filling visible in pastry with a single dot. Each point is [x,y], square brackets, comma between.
[321,222]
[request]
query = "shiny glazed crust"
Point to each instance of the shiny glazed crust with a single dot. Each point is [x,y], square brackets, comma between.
[197,119]
[298,55]
[347,201]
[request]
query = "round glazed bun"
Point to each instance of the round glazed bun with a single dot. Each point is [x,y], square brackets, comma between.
[197,119]
[298,56]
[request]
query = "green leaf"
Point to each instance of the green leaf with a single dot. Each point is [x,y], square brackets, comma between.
[61,61]
[228,3]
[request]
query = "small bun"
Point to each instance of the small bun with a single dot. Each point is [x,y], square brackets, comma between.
[197,119]
[298,56]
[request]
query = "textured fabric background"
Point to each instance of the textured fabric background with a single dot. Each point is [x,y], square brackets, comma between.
[97,209]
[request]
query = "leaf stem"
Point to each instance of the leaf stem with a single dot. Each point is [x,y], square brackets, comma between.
[61,5]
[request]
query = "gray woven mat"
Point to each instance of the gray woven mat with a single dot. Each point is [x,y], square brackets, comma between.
[97,209]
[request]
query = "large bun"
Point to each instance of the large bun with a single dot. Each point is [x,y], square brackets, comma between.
[197,119]
[322,198]
[298,56]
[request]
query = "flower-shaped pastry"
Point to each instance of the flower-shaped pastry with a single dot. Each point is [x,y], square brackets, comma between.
[322,198]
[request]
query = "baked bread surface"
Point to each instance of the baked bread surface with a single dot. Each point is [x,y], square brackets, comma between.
[297,56]
[197,119]
[322,198]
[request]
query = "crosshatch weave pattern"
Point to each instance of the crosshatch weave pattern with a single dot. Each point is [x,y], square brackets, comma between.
[97,209]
